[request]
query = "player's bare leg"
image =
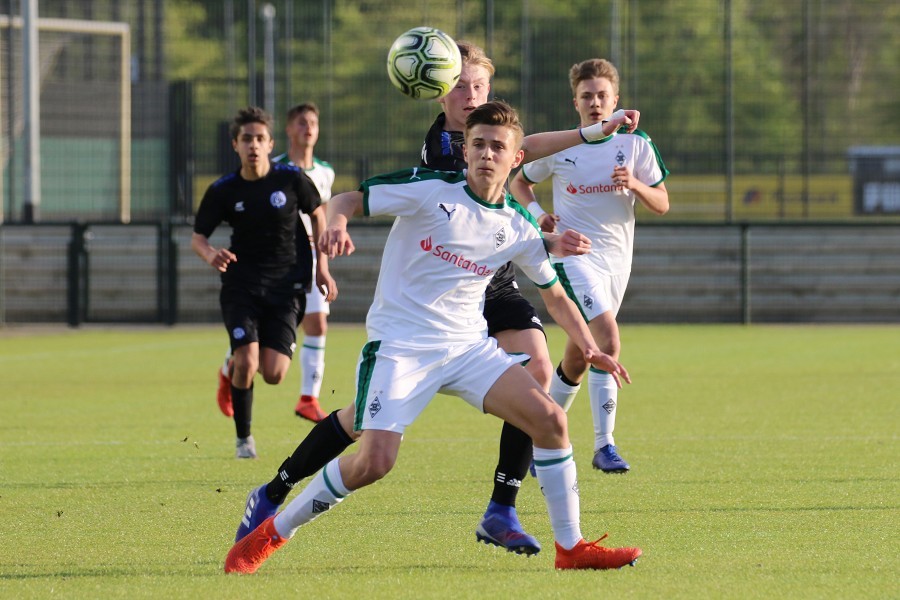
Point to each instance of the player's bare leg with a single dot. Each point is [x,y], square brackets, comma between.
[500,524]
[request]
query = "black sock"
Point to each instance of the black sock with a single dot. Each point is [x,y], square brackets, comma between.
[325,440]
[515,457]
[562,376]
[242,403]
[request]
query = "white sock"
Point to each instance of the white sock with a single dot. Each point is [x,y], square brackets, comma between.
[323,492]
[559,483]
[225,370]
[312,365]
[604,395]
[562,393]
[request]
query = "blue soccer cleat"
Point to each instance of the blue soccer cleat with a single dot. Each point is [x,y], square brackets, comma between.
[500,526]
[258,509]
[607,459]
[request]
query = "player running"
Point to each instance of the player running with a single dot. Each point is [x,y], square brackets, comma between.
[510,319]
[303,132]
[594,190]
[426,334]
[267,268]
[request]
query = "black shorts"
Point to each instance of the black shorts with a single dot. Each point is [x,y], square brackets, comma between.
[510,310]
[262,316]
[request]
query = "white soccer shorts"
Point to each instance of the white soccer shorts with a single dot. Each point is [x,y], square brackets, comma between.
[594,293]
[315,300]
[395,382]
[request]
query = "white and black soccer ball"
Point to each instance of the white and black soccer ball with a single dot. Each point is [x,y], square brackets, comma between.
[424,63]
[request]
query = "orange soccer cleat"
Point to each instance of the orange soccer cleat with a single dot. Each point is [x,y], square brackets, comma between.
[250,552]
[591,555]
[223,395]
[309,409]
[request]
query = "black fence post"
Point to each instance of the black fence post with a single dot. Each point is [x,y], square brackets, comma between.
[77,284]
[167,274]
[181,154]
[745,273]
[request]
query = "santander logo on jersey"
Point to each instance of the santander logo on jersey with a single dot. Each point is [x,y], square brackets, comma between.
[593,189]
[457,260]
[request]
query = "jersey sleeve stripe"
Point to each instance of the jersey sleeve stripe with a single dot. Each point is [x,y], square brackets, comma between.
[514,204]
[548,285]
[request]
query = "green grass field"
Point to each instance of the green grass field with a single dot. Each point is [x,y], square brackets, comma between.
[764,465]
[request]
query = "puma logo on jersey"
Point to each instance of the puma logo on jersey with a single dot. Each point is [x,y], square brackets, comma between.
[571,160]
[239,207]
[444,208]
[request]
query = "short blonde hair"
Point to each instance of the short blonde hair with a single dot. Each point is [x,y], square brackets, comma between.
[591,69]
[475,56]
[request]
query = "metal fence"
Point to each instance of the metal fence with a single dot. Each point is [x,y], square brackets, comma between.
[762,110]
[778,121]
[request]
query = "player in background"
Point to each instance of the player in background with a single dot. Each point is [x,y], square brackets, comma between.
[511,319]
[595,186]
[302,131]
[427,334]
[267,268]
[514,325]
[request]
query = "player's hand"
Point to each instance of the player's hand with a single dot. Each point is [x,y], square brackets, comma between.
[633,117]
[607,363]
[221,259]
[335,241]
[548,222]
[326,284]
[568,243]
[621,176]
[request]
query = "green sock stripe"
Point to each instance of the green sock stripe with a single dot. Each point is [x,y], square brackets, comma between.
[328,484]
[554,461]
[366,368]
[601,371]
[313,347]
[567,286]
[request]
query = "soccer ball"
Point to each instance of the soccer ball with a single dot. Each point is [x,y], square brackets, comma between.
[424,63]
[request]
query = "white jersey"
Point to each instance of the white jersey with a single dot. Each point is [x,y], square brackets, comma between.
[586,200]
[322,175]
[441,253]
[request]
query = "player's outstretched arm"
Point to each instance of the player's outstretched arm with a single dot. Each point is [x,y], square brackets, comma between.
[566,315]
[539,145]
[335,241]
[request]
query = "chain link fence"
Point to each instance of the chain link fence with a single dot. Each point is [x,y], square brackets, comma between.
[764,111]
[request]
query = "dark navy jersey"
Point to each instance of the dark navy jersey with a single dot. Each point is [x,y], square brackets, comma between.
[443,151]
[267,236]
